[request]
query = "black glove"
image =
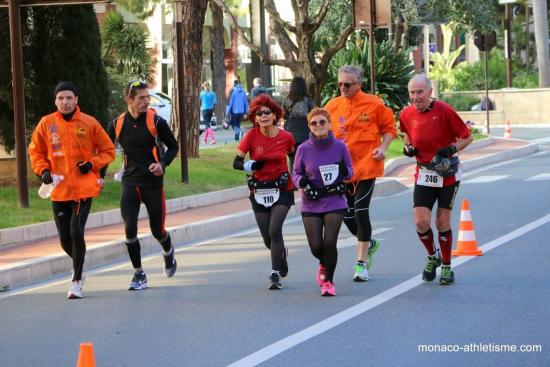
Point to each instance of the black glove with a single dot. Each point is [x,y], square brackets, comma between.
[257,165]
[447,152]
[409,150]
[303,182]
[46,177]
[84,167]
[342,168]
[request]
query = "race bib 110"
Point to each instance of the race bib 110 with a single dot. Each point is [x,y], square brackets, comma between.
[266,197]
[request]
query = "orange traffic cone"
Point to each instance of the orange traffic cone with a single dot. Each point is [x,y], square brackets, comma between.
[507,130]
[86,355]
[466,244]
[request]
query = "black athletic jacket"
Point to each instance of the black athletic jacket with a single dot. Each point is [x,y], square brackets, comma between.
[138,143]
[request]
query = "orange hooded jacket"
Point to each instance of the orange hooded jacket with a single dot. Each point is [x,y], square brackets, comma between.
[360,122]
[59,145]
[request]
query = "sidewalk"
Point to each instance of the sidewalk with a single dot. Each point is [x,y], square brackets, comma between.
[29,262]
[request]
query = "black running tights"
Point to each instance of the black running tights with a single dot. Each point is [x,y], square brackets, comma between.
[322,235]
[70,220]
[271,228]
[357,217]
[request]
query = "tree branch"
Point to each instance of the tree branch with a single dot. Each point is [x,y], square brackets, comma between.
[277,26]
[330,52]
[316,23]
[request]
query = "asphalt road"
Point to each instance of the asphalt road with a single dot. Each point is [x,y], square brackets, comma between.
[217,310]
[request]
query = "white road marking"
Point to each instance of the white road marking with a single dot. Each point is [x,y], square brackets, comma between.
[539,177]
[486,179]
[299,337]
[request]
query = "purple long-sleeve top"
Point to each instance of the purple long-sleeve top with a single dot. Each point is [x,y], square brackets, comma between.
[316,155]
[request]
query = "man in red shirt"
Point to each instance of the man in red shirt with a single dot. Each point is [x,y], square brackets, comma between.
[434,133]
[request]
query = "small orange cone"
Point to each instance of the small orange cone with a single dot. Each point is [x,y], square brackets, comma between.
[507,130]
[86,355]
[466,245]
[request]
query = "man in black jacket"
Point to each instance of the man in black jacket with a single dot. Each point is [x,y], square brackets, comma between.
[144,135]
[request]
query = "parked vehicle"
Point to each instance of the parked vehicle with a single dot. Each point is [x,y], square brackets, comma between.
[162,104]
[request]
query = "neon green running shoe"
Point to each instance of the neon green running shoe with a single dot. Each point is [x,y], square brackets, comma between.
[431,266]
[374,245]
[447,275]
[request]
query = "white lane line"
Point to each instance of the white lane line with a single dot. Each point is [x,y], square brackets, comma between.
[282,345]
[486,179]
[352,241]
[539,177]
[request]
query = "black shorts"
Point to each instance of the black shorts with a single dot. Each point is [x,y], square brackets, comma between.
[285,198]
[342,212]
[425,196]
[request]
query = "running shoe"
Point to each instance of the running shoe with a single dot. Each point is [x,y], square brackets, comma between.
[139,281]
[170,264]
[274,282]
[75,291]
[447,275]
[361,272]
[374,244]
[432,264]
[328,290]
[284,264]
[321,274]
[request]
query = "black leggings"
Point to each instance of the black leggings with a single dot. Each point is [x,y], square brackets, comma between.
[155,203]
[357,217]
[271,228]
[322,234]
[70,219]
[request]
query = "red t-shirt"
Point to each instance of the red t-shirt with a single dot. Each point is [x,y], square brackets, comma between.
[430,130]
[272,150]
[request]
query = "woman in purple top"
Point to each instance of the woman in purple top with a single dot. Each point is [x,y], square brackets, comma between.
[321,165]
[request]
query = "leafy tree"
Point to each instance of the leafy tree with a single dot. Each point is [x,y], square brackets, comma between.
[300,54]
[125,47]
[59,43]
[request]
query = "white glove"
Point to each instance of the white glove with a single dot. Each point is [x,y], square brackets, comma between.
[248,165]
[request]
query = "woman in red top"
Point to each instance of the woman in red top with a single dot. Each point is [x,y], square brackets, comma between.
[271,189]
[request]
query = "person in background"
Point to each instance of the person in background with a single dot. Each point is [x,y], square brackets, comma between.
[322,164]
[71,144]
[208,103]
[258,88]
[237,107]
[142,134]
[296,106]
[433,131]
[367,127]
[271,189]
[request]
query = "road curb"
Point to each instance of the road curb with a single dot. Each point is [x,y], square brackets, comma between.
[13,236]
[32,271]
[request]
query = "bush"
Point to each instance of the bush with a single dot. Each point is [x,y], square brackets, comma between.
[461,102]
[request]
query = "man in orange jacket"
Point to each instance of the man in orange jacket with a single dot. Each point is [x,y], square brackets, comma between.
[367,127]
[73,146]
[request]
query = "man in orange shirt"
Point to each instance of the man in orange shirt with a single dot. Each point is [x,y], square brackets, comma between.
[74,146]
[367,127]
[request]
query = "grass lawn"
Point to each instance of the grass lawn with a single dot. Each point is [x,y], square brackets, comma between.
[211,172]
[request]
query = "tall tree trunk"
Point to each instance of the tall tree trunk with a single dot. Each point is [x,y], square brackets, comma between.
[191,13]
[540,12]
[218,65]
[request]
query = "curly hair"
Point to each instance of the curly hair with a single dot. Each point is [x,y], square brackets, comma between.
[264,100]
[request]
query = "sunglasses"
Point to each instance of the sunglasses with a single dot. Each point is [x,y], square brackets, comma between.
[345,84]
[264,112]
[320,123]
[137,84]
